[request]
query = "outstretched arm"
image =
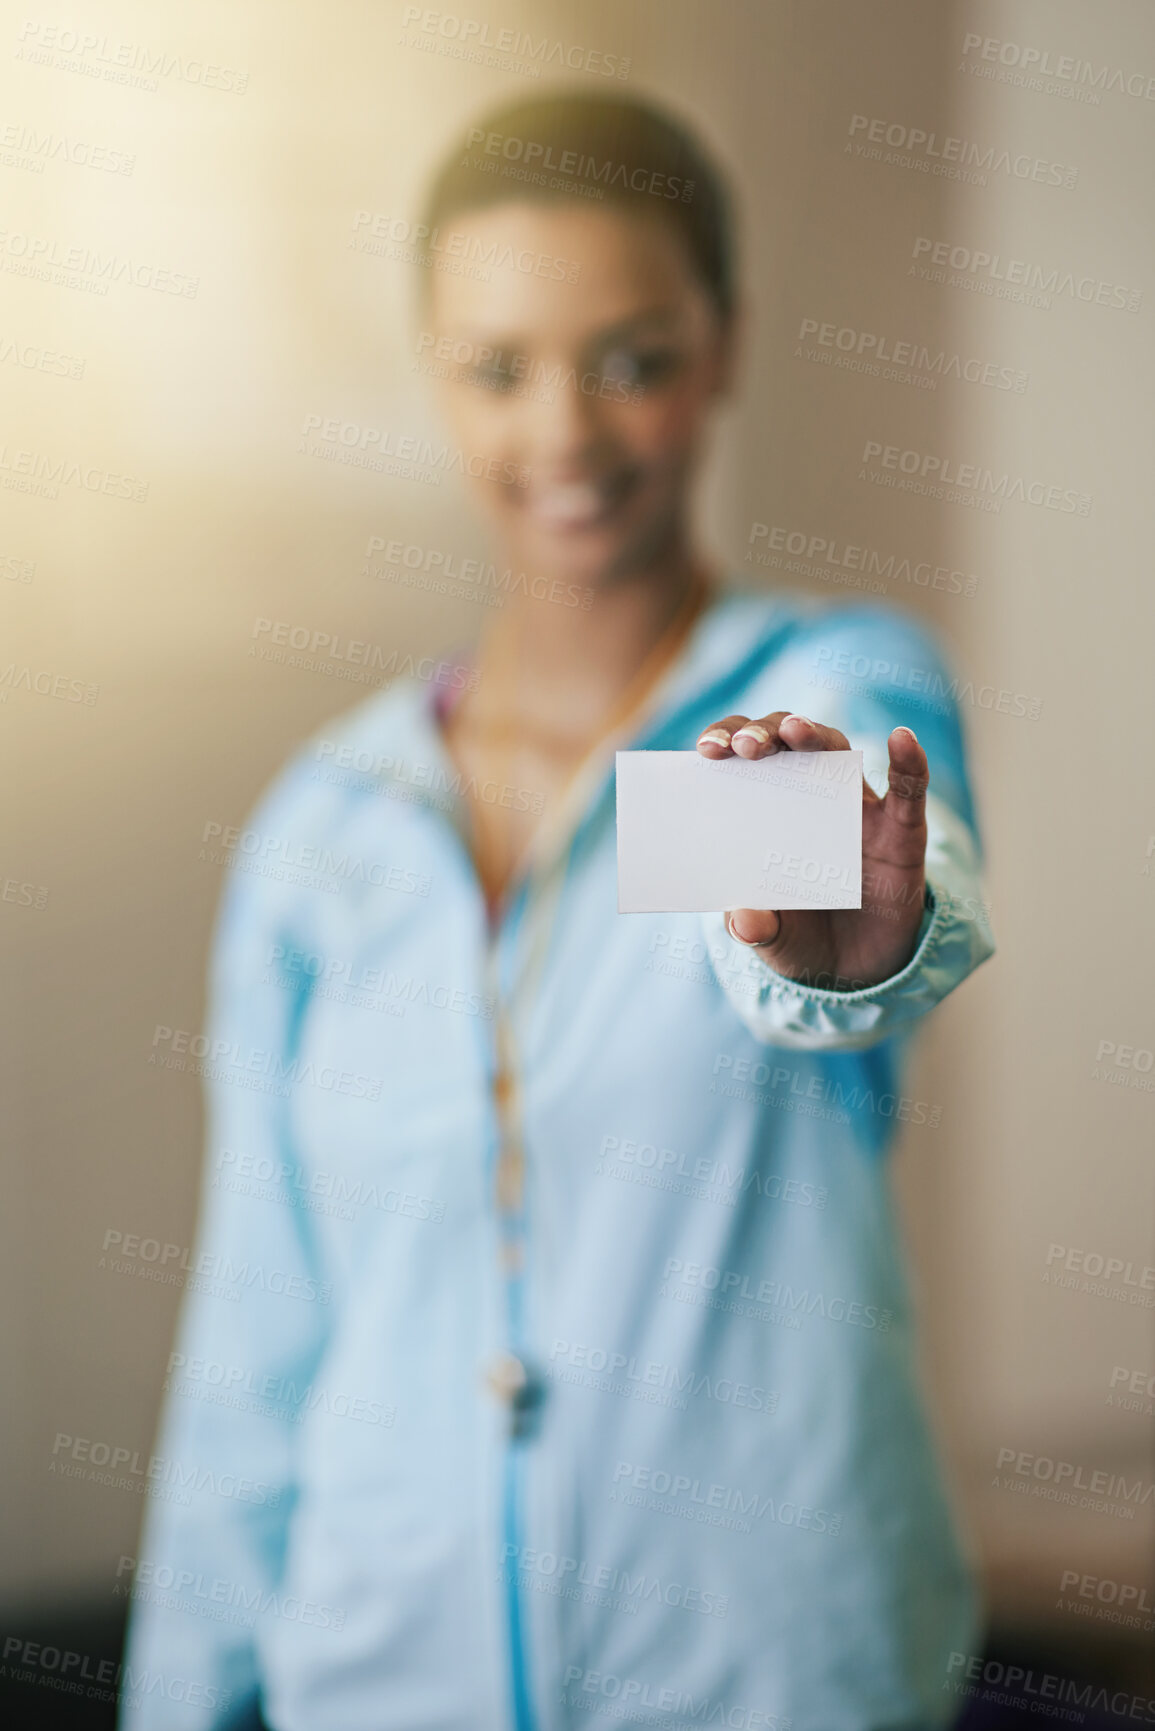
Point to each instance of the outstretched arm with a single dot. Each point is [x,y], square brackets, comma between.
[847,978]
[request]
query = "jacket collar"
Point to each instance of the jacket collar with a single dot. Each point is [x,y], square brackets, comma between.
[400,729]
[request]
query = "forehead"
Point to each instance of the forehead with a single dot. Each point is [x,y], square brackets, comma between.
[558,267]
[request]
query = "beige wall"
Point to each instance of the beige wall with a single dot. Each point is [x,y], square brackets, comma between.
[253,192]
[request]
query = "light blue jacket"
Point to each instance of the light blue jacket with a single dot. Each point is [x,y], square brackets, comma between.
[725,1507]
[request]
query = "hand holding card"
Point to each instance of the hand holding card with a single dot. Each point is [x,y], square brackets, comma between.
[772,822]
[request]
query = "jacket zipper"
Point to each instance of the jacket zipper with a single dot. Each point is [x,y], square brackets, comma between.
[510,1375]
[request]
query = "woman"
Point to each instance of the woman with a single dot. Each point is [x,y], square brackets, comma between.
[567,1366]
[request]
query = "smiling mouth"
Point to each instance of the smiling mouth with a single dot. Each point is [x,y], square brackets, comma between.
[576,505]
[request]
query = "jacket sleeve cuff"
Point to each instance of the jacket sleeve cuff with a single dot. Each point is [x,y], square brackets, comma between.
[953,939]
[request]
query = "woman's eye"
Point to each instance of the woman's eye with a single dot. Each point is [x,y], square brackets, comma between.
[492,378]
[640,366]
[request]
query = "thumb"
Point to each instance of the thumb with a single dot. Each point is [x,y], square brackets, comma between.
[758,927]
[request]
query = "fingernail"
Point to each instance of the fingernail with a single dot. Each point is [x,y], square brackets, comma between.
[753,730]
[716,736]
[750,943]
[805,719]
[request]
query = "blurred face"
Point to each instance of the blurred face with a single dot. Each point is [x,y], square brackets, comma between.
[582,405]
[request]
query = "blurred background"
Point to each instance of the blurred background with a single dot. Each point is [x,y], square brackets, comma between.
[206,254]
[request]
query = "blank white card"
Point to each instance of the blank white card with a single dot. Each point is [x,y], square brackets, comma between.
[696,836]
